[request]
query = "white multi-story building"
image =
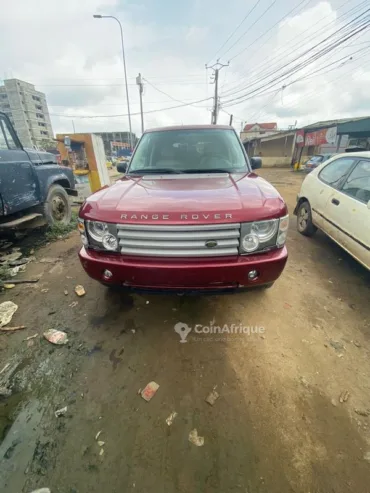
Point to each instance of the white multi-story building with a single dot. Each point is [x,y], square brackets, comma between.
[28,112]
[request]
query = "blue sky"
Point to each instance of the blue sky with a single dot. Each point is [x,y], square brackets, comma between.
[75,60]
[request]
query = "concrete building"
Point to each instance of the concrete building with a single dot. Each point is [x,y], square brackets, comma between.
[253,130]
[115,140]
[28,112]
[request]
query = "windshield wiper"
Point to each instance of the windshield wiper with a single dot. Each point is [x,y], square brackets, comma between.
[154,171]
[212,170]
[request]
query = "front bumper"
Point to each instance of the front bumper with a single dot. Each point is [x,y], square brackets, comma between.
[161,274]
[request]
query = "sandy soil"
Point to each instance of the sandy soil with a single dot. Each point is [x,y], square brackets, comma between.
[278,425]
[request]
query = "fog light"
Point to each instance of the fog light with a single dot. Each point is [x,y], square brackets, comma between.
[110,242]
[107,274]
[252,275]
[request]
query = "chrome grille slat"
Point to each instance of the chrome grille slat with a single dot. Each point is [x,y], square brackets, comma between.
[200,227]
[175,244]
[181,235]
[178,241]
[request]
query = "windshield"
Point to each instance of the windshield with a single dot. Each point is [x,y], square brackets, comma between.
[187,151]
[316,159]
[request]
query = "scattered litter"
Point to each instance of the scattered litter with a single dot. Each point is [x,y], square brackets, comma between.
[80,290]
[367,456]
[41,490]
[30,343]
[356,343]
[133,331]
[98,434]
[101,444]
[12,329]
[363,412]
[101,452]
[304,382]
[171,417]
[344,396]
[212,397]
[195,439]
[287,305]
[9,286]
[139,391]
[45,290]
[21,281]
[69,277]
[66,292]
[6,245]
[5,392]
[334,402]
[21,261]
[5,368]
[149,391]
[48,260]
[56,336]
[61,412]
[15,270]
[11,257]
[32,251]
[73,304]
[338,346]
[147,302]
[7,310]
[174,309]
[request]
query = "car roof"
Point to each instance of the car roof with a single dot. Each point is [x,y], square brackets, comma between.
[189,127]
[365,154]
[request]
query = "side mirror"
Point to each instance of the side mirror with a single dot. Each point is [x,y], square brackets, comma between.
[122,167]
[256,162]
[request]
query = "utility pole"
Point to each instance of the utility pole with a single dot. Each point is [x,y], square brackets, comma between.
[231,120]
[73,125]
[140,84]
[216,70]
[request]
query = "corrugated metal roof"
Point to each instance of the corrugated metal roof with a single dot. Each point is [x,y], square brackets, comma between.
[330,123]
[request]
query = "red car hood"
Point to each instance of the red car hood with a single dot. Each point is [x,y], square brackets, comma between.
[189,199]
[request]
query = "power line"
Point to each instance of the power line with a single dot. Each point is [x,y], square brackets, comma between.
[330,47]
[134,114]
[166,94]
[232,34]
[278,22]
[285,54]
[254,23]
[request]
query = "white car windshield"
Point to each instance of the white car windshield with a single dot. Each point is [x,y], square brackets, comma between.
[189,151]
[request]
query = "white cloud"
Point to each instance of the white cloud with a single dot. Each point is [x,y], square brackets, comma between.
[76,61]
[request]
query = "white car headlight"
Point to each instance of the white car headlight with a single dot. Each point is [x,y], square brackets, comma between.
[259,235]
[102,236]
[97,230]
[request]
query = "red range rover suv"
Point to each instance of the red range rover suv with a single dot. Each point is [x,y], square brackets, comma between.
[188,215]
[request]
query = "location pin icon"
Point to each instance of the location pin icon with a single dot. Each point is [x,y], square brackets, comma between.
[183,330]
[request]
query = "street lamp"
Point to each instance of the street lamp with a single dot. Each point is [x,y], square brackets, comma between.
[97,16]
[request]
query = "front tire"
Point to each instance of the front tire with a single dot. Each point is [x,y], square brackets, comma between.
[305,225]
[57,208]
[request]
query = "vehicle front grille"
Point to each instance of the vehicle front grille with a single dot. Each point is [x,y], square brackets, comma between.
[179,241]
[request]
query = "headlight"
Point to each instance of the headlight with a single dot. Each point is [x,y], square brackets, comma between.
[265,230]
[97,230]
[258,236]
[110,242]
[101,236]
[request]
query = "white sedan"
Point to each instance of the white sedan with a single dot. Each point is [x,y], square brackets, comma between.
[335,197]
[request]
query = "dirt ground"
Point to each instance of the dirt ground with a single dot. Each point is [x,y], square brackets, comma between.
[278,425]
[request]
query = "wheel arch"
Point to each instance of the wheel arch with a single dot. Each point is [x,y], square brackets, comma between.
[299,202]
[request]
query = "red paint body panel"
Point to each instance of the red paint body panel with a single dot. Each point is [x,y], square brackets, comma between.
[183,274]
[186,199]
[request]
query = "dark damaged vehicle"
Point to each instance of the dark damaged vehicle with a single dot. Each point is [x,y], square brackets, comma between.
[34,189]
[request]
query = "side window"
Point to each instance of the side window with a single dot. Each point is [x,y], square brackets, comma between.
[357,184]
[333,173]
[6,139]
